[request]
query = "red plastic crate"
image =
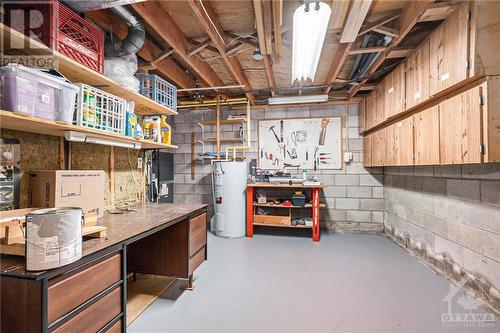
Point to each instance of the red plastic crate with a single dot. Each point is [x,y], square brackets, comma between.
[62,30]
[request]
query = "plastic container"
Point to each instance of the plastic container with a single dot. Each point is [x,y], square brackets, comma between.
[100,110]
[61,29]
[158,89]
[34,93]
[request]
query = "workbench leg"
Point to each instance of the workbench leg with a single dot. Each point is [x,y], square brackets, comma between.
[190,285]
[250,195]
[315,214]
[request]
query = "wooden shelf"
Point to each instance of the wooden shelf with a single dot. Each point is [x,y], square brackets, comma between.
[300,226]
[223,122]
[11,120]
[282,206]
[78,73]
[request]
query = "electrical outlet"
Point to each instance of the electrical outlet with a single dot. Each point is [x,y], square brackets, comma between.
[139,163]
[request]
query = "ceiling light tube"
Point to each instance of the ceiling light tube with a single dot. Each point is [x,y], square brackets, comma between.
[82,137]
[309,30]
[297,99]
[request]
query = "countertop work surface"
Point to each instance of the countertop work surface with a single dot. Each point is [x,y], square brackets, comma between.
[121,228]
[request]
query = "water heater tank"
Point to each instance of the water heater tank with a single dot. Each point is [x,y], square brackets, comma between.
[229,189]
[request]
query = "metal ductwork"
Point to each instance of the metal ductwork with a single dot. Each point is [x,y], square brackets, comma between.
[135,37]
[136,31]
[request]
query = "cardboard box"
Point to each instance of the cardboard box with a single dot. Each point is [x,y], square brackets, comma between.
[68,188]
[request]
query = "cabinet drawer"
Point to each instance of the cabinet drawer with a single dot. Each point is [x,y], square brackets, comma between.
[116,328]
[95,316]
[67,294]
[197,233]
[196,261]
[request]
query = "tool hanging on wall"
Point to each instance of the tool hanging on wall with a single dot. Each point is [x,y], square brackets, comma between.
[293,155]
[281,131]
[307,155]
[322,133]
[276,161]
[315,160]
[271,129]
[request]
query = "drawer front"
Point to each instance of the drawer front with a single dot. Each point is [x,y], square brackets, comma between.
[116,328]
[96,316]
[65,295]
[197,233]
[196,260]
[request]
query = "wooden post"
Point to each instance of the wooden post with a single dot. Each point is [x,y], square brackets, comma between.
[217,122]
[112,175]
[193,158]
[315,214]
[61,153]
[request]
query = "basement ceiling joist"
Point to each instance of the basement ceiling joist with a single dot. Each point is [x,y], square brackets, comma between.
[411,14]
[204,12]
[161,21]
[150,51]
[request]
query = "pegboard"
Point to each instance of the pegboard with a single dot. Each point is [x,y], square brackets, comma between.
[295,143]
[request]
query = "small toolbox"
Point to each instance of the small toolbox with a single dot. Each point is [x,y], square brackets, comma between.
[299,199]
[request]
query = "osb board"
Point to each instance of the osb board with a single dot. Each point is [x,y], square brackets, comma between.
[41,152]
[143,292]
[38,152]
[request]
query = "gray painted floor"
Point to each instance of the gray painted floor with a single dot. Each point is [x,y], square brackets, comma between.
[275,283]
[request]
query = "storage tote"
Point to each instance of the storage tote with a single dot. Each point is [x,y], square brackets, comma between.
[100,110]
[35,93]
[158,89]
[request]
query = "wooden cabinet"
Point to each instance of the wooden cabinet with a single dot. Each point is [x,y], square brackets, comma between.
[367,150]
[417,76]
[378,148]
[370,110]
[394,92]
[490,100]
[426,134]
[449,51]
[460,128]
[390,158]
[379,104]
[361,116]
[403,142]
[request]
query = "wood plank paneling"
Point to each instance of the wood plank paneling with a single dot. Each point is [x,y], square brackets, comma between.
[371,107]
[418,75]
[378,148]
[390,157]
[449,51]
[367,150]
[460,128]
[380,106]
[394,86]
[491,118]
[403,142]
[427,136]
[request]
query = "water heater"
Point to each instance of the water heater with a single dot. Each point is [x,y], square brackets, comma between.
[229,186]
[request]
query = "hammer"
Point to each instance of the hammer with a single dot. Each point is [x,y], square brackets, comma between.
[271,129]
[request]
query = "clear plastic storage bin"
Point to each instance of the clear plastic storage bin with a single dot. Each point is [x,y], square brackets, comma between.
[100,110]
[35,93]
[158,89]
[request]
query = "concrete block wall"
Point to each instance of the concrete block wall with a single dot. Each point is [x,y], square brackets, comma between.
[354,196]
[450,215]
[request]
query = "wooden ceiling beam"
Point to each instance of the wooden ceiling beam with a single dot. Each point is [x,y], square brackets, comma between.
[214,30]
[384,20]
[199,46]
[363,50]
[338,61]
[277,6]
[269,74]
[399,52]
[437,11]
[167,68]
[159,20]
[355,18]
[412,11]
[259,24]
[268,25]
[391,32]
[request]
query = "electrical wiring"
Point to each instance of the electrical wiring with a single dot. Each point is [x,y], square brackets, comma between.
[219,56]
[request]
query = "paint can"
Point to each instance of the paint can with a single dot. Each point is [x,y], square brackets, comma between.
[53,237]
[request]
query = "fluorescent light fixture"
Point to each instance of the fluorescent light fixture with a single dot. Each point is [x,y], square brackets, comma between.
[297,99]
[82,137]
[309,30]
